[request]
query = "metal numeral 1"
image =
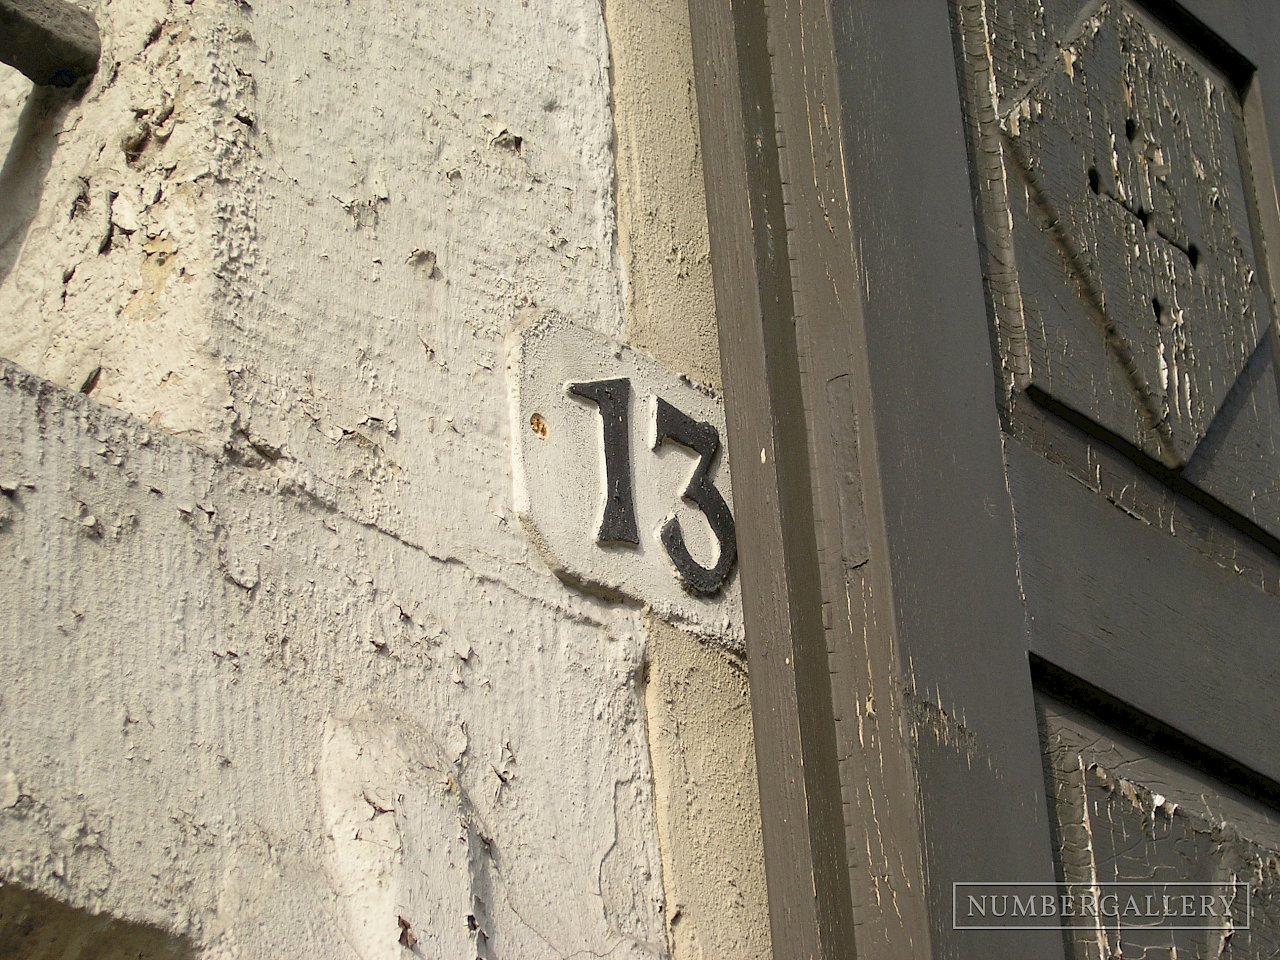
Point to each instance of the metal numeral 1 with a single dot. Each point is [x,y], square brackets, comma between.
[613,398]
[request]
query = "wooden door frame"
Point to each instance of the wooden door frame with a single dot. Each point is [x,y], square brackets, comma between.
[838,195]
[810,907]
[887,636]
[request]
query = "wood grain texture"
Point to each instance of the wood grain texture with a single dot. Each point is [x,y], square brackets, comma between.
[871,709]
[1139,487]
[935,488]
[875,348]
[1121,165]
[1129,194]
[857,373]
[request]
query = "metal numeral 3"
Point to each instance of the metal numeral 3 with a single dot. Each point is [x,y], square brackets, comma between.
[703,439]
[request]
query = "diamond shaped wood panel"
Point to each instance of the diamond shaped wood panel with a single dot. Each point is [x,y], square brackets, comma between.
[1125,271]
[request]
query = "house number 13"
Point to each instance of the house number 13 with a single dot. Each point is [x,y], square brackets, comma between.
[618,525]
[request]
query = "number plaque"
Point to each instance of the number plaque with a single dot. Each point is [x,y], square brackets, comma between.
[622,482]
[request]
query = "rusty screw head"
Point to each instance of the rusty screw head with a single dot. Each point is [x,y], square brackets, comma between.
[539,426]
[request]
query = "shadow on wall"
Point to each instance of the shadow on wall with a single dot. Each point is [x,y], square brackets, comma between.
[34,927]
[25,167]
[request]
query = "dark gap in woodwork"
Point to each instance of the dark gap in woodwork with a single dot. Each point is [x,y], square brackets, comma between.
[1130,129]
[1144,218]
[1236,69]
[1158,309]
[1169,476]
[1094,181]
[1193,254]
[1051,679]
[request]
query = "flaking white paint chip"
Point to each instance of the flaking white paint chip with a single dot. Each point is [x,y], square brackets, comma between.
[560,475]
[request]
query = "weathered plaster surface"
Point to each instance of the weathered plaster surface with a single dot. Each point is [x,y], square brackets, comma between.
[662,207]
[290,678]
[254,721]
[704,771]
[106,231]
[421,182]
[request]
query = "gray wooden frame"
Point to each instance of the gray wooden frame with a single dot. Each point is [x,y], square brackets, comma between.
[888,635]
[795,744]
[824,530]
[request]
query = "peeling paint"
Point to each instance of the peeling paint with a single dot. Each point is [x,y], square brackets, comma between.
[1122,812]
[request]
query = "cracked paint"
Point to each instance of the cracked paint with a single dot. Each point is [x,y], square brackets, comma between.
[1123,813]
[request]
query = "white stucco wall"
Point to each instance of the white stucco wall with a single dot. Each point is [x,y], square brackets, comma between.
[285,676]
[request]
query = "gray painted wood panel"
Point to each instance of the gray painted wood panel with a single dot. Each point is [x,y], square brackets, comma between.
[1128,608]
[800,798]
[1126,813]
[943,493]
[1118,194]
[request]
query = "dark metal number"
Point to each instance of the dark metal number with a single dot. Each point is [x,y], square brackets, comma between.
[704,440]
[618,525]
[613,398]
